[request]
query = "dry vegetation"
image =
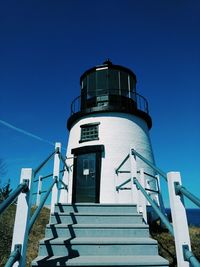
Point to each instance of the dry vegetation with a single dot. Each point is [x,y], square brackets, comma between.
[37,233]
[165,240]
[6,230]
[166,243]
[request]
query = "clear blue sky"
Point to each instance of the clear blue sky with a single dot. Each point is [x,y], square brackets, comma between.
[46,45]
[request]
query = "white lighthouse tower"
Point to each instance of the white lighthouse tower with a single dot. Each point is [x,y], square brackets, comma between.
[101,217]
[106,120]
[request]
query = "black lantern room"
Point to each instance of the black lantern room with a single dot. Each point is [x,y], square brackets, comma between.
[109,88]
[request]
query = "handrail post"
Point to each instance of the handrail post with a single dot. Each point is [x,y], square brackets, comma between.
[39,191]
[66,179]
[142,199]
[179,219]
[22,217]
[64,193]
[56,173]
[160,198]
[135,193]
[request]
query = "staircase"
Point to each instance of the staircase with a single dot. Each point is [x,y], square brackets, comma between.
[97,235]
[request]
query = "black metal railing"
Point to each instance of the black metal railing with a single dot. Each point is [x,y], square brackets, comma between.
[99,98]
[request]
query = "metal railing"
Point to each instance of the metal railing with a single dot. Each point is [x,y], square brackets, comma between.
[45,161]
[122,184]
[117,170]
[14,256]
[181,190]
[162,216]
[156,169]
[39,208]
[179,231]
[23,221]
[187,253]
[100,97]
[24,193]
[21,188]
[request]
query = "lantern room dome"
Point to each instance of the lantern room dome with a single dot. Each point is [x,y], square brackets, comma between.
[112,78]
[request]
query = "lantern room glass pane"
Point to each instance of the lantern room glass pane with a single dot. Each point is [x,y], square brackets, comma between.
[113,81]
[84,83]
[132,84]
[91,89]
[124,81]
[101,79]
[124,84]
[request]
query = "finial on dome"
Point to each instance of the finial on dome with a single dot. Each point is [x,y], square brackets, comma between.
[108,62]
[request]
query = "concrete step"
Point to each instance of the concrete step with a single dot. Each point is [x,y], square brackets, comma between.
[94,218]
[96,208]
[119,261]
[97,246]
[96,230]
[86,234]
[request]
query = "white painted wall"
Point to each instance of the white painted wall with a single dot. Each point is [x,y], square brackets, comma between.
[117,131]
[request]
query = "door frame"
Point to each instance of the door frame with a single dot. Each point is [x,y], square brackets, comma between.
[97,149]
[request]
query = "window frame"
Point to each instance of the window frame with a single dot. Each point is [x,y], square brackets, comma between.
[89,129]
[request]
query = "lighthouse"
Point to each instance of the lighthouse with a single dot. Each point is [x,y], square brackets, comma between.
[107,118]
[101,217]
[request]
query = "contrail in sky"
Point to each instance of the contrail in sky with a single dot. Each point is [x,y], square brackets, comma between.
[25,132]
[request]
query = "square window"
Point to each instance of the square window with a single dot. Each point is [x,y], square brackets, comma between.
[89,132]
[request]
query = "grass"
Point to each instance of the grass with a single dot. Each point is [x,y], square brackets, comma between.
[37,233]
[165,240]
[166,245]
[6,231]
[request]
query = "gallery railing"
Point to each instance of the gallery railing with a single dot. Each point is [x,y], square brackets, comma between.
[100,98]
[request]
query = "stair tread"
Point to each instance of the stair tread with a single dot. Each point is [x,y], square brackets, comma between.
[100,240]
[97,214]
[120,260]
[105,225]
[87,246]
[98,204]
